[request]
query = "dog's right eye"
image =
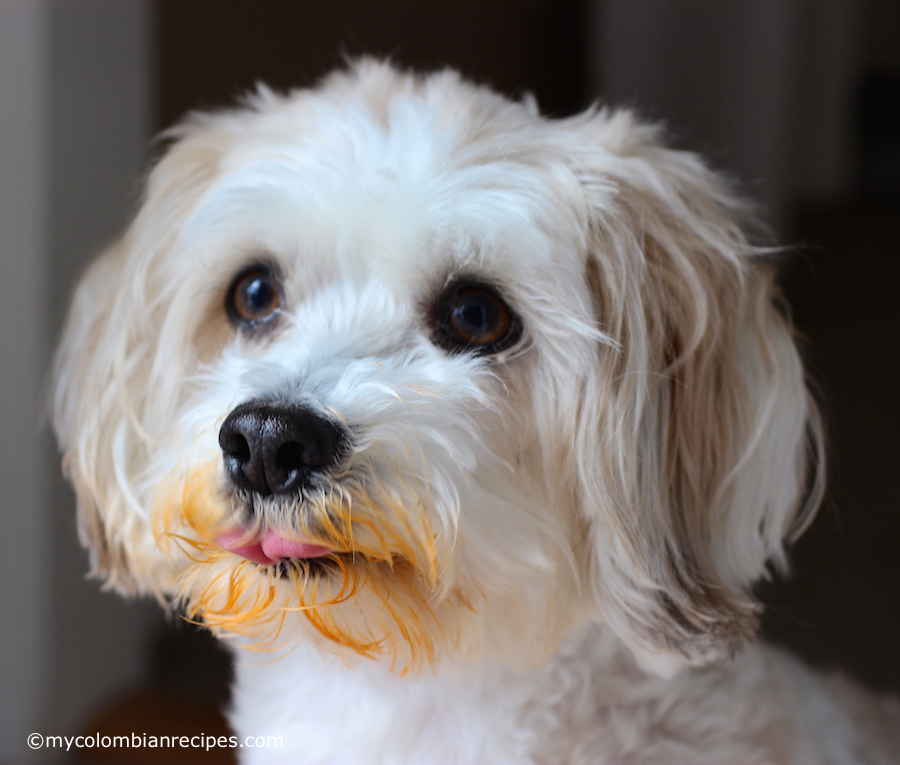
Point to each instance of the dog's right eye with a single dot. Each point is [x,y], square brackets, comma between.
[254,297]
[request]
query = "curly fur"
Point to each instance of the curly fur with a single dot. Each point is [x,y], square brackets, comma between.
[542,556]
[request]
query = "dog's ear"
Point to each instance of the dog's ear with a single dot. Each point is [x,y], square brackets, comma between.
[91,424]
[117,371]
[699,446]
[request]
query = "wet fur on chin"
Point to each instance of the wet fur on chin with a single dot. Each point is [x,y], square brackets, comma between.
[501,524]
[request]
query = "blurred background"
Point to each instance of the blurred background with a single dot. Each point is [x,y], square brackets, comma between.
[798,100]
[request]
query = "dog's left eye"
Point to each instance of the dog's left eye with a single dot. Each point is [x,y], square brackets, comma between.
[474,317]
[254,296]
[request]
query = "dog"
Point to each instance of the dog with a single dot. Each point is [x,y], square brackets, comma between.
[468,430]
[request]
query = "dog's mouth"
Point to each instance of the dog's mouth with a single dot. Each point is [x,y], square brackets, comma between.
[360,566]
[268,548]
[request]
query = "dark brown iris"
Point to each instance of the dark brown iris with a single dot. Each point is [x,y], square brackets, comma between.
[474,317]
[254,296]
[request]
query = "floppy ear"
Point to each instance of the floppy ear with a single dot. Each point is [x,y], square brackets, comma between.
[91,424]
[117,376]
[699,446]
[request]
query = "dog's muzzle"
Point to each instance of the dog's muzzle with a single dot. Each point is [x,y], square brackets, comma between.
[275,450]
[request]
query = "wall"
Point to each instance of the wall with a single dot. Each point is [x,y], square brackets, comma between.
[764,89]
[75,117]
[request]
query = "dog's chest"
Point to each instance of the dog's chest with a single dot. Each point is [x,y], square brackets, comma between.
[589,706]
[326,712]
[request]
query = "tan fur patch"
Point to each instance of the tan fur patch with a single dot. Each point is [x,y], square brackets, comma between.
[376,597]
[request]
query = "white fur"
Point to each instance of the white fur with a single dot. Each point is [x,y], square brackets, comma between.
[555,546]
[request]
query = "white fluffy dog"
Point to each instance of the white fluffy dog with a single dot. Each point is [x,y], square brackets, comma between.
[469,429]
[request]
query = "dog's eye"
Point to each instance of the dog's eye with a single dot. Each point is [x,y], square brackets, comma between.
[254,296]
[474,317]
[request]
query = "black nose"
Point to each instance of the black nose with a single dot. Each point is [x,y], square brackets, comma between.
[276,450]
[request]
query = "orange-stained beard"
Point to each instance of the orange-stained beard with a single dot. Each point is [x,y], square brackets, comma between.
[377,595]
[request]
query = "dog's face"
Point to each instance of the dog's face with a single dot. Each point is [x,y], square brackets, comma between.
[403,368]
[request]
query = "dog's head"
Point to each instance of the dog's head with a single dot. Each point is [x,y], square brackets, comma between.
[404,368]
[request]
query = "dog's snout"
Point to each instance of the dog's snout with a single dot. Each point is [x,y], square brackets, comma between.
[276,450]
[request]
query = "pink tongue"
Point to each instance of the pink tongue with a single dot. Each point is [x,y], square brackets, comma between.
[270,548]
[276,547]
